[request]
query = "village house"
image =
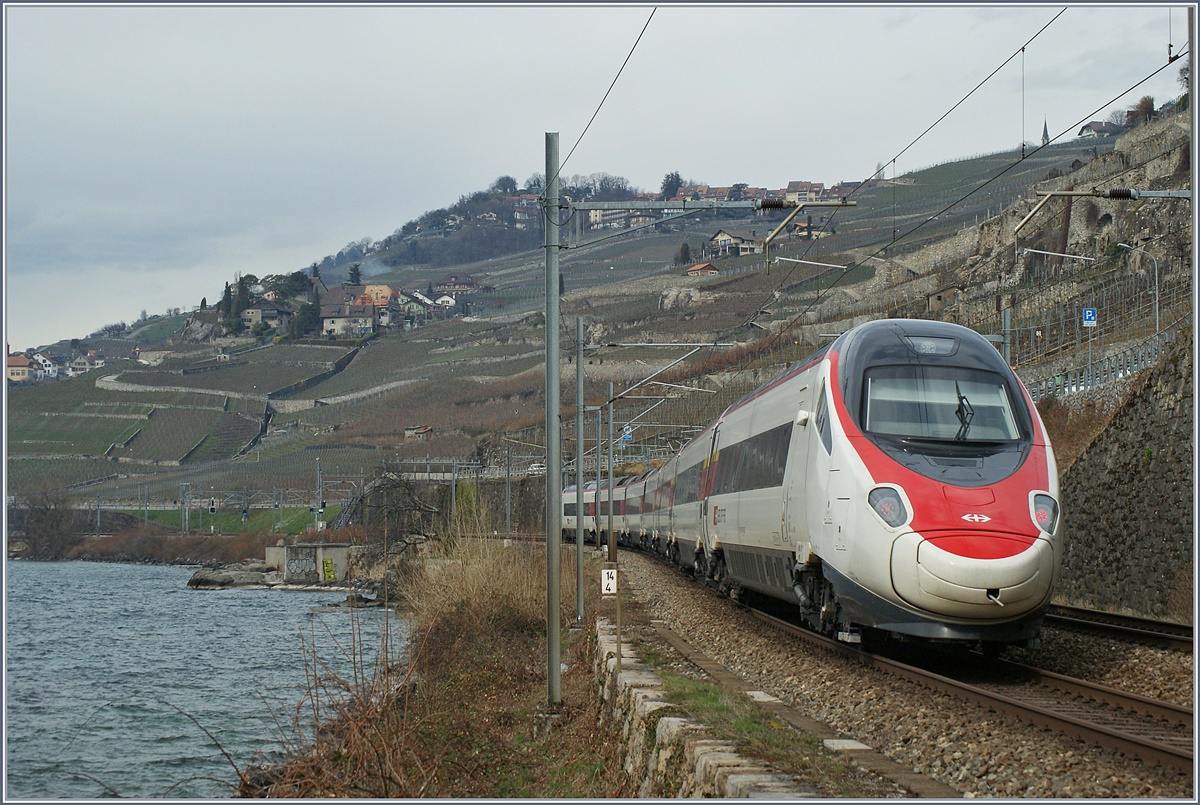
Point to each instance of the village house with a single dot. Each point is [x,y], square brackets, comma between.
[703,270]
[526,208]
[734,244]
[642,218]
[84,363]
[49,364]
[799,192]
[378,293]
[607,219]
[22,369]
[455,284]
[1097,128]
[347,320]
[275,315]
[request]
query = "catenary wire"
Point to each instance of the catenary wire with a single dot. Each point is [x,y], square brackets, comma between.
[919,137]
[791,323]
[616,78]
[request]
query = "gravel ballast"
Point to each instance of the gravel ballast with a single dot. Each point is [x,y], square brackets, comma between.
[978,752]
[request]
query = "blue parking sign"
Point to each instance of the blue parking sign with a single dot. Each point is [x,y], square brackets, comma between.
[1089,317]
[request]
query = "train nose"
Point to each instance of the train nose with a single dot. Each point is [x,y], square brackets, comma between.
[982,576]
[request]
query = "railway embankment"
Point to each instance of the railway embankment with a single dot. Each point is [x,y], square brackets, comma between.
[664,753]
[1127,500]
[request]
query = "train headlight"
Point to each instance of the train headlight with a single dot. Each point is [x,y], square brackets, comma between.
[887,504]
[1045,513]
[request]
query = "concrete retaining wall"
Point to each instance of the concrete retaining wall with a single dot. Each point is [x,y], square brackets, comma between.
[665,754]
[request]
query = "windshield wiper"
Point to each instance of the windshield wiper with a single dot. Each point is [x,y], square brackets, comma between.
[964,412]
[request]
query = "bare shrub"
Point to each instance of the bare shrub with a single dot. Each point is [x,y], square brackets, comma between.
[49,520]
[453,719]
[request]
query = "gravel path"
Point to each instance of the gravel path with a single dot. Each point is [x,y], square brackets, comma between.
[978,752]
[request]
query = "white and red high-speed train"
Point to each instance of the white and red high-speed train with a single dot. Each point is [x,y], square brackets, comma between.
[899,479]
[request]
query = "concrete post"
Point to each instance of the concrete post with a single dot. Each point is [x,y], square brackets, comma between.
[553,445]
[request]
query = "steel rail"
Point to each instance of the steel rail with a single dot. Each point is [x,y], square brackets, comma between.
[1178,636]
[1147,749]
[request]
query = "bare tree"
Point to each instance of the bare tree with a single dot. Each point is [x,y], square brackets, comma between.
[408,518]
[50,521]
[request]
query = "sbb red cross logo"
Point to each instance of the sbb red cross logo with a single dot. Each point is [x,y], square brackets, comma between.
[976,518]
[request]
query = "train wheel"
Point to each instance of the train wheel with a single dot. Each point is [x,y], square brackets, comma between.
[700,566]
[720,576]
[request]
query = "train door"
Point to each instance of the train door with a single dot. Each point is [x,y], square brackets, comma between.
[795,509]
[708,529]
[828,505]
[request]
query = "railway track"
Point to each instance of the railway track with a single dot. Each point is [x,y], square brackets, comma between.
[1135,726]
[1163,634]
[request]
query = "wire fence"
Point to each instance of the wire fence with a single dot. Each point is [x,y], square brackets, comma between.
[1107,369]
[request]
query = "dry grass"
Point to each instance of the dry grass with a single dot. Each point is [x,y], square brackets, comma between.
[455,716]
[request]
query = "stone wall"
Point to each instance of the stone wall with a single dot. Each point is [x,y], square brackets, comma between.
[667,756]
[1128,500]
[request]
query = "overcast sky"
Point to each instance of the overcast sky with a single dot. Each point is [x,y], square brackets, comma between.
[151,152]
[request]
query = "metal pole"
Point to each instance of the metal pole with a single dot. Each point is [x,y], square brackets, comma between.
[612,540]
[579,470]
[1005,327]
[553,446]
[508,490]
[599,467]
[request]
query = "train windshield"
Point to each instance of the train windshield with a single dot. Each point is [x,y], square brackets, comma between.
[942,403]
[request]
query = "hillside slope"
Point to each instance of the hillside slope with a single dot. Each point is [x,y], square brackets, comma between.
[470,389]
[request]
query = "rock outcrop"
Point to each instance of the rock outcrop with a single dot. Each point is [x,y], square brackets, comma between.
[253,574]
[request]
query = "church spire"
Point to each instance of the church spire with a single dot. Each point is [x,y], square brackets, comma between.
[1045,132]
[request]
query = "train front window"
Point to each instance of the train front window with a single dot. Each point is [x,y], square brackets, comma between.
[938,402]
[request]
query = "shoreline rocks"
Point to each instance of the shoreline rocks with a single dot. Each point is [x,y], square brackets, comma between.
[255,574]
[249,574]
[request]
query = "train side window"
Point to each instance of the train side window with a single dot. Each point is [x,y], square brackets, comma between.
[823,422]
[568,510]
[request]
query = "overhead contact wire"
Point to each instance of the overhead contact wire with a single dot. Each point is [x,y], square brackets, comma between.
[904,150]
[963,198]
[616,78]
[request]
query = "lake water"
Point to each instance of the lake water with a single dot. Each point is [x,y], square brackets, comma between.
[114,674]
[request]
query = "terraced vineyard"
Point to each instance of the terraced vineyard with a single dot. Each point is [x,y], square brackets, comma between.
[169,434]
[67,434]
[259,377]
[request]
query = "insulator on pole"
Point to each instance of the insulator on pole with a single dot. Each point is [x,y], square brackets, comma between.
[772,204]
[1120,192]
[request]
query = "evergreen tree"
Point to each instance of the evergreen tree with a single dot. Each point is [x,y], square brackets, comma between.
[356,273]
[684,256]
[671,184]
[242,299]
